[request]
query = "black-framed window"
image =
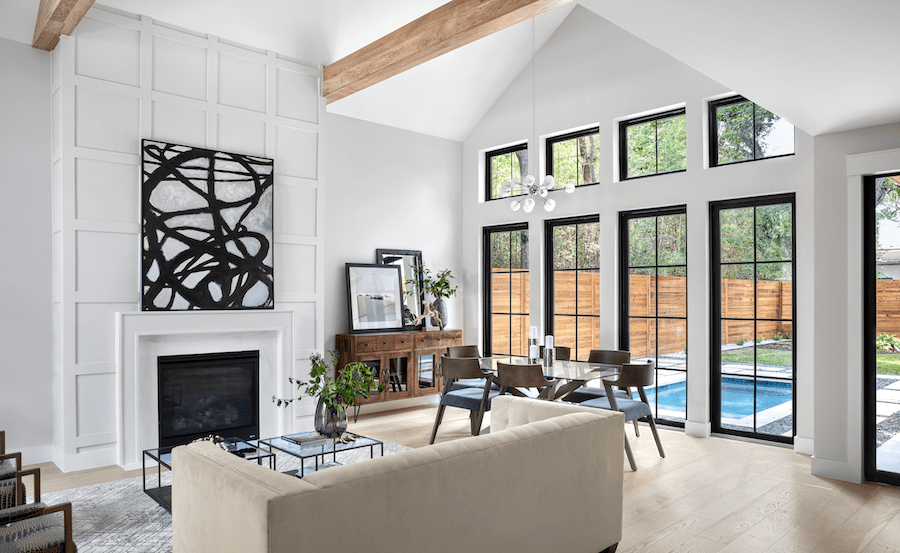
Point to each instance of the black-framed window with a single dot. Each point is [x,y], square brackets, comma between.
[881,289]
[574,158]
[506,290]
[653,302]
[572,268]
[740,130]
[652,145]
[752,354]
[502,165]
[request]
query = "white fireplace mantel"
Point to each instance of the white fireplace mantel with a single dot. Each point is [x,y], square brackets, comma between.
[141,337]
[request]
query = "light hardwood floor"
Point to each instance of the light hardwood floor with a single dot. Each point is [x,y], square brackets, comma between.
[707,496]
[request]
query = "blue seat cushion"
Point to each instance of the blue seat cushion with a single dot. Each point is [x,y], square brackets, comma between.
[468,398]
[471,383]
[585,393]
[633,409]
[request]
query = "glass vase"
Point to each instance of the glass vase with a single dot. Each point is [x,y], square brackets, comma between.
[331,422]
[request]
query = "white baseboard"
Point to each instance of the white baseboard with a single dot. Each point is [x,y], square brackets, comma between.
[397,404]
[33,455]
[83,461]
[698,429]
[803,445]
[838,470]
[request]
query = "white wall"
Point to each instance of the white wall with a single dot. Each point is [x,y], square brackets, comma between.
[592,72]
[25,331]
[121,78]
[841,159]
[388,188]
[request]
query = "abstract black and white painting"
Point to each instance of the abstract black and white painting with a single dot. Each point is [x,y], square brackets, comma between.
[207,229]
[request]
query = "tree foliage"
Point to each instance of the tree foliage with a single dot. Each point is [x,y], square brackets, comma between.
[658,146]
[576,160]
[745,131]
[773,249]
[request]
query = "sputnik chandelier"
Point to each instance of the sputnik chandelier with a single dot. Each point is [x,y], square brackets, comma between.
[528,185]
[533,190]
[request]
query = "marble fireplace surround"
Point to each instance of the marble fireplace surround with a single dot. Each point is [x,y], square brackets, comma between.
[141,337]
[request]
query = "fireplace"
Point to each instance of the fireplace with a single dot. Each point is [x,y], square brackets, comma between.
[207,394]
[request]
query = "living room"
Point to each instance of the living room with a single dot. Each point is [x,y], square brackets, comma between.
[401,165]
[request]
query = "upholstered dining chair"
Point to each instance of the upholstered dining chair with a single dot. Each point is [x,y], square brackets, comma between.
[511,378]
[468,351]
[633,375]
[476,400]
[36,528]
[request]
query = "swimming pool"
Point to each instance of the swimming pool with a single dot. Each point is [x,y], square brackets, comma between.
[737,396]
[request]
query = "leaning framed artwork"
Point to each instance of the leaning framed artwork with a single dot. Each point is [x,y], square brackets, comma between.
[374,297]
[207,229]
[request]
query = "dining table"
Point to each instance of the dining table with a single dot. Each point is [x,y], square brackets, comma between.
[565,376]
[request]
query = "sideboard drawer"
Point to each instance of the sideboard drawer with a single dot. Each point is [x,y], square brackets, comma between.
[403,341]
[375,343]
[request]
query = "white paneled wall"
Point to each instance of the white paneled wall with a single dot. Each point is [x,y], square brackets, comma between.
[121,78]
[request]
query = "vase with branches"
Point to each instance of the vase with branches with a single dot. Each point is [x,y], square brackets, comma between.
[334,393]
[438,285]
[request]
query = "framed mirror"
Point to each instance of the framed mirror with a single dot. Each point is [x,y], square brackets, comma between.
[407,260]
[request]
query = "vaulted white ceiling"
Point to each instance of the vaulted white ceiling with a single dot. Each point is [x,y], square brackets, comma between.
[824,65]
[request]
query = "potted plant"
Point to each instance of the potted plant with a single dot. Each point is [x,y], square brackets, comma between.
[439,287]
[335,394]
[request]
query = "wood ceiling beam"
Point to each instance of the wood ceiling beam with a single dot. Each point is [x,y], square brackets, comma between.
[442,30]
[56,18]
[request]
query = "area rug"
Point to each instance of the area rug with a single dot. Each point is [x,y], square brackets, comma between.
[119,516]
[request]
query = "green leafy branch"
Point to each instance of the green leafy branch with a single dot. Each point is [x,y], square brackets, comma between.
[355,380]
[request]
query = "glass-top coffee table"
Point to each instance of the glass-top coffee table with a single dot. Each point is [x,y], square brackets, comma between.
[162,494]
[311,445]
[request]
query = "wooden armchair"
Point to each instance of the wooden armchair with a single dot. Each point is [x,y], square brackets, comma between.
[476,399]
[512,377]
[37,529]
[636,375]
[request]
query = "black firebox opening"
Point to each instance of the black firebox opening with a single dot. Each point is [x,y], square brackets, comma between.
[208,394]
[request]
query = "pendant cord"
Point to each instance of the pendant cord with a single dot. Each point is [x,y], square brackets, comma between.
[533,89]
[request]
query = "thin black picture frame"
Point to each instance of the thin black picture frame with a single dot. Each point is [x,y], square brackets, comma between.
[389,271]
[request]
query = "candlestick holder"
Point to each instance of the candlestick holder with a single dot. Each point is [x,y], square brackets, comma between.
[548,356]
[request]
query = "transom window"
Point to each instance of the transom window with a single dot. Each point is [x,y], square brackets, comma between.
[652,145]
[740,130]
[574,158]
[502,165]
[573,283]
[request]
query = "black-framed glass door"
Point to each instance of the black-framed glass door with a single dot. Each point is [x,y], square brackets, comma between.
[506,289]
[572,278]
[881,329]
[752,354]
[653,302]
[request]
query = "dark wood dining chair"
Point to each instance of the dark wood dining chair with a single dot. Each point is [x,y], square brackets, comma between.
[476,400]
[467,351]
[562,353]
[608,357]
[511,378]
[633,375]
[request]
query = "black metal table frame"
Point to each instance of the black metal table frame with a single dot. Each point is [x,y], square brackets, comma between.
[315,456]
[163,494]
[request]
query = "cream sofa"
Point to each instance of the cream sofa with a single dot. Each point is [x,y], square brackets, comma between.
[548,477]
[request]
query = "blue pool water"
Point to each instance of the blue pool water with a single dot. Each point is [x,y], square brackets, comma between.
[737,396]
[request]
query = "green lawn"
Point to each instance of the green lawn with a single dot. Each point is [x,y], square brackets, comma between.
[764,357]
[888,363]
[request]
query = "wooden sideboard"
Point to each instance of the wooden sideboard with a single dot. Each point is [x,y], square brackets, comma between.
[407,363]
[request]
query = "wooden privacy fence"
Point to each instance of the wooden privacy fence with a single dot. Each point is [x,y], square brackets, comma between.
[669,295]
[887,314]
